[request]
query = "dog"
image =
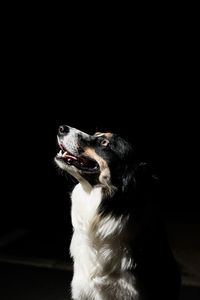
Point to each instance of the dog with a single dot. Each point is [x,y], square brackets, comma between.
[119,247]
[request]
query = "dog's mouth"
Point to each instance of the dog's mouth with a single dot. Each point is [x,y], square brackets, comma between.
[82,163]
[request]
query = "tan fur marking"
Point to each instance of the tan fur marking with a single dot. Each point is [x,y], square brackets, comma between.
[105,176]
[108,134]
[92,154]
[95,223]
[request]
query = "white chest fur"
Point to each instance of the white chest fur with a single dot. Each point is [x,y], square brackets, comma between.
[85,203]
[102,261]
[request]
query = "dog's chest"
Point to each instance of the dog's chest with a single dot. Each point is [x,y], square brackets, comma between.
[84,207]
[97,239]
[99,250]
[84,211]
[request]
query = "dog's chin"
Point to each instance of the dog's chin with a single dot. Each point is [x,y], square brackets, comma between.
[67,168]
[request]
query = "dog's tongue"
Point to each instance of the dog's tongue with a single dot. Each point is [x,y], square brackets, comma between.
[68,156]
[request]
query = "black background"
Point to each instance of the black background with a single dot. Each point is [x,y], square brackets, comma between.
[138,80]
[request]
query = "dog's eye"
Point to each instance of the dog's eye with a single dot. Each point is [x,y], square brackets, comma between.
[105,142]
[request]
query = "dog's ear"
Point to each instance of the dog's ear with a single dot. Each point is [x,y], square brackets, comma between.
[128,178]
[138,176]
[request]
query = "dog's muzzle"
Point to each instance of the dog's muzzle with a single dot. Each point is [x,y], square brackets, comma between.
[71,142]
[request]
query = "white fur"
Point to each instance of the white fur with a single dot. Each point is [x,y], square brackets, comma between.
[102,261]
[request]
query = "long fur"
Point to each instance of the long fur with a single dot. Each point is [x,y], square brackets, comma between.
[118,246]
[102,260]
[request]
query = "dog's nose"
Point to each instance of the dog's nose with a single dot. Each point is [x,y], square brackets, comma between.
[63,129]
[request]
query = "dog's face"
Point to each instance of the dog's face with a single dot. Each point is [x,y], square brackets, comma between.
[101,158]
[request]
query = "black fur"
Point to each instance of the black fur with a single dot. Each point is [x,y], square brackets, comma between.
[155,266]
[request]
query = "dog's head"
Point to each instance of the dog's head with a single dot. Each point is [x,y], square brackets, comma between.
[100,159]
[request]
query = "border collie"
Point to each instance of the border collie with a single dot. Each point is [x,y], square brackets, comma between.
[118,245]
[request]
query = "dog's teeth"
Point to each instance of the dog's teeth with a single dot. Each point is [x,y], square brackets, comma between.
[60,153]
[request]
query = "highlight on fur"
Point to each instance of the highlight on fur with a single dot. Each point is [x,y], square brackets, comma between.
[118,246]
